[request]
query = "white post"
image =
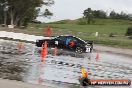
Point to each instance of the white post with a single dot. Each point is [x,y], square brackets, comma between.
[96,34]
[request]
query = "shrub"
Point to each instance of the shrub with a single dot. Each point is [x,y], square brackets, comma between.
[82,22]
[112,35]
[129,31]
[130,37]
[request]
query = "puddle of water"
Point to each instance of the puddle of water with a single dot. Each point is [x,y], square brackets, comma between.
[62,70]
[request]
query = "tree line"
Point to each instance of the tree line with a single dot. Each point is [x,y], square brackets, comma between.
[21,12]
[90,14]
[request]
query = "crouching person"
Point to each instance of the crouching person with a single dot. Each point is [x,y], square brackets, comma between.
[84,80]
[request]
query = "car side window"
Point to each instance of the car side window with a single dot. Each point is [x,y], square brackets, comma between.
[74,39]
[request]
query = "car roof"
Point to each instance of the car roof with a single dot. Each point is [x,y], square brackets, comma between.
[72,36]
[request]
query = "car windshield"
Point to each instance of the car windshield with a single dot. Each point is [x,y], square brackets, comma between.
[74,39]
[61,38]
[81,40]
[77,40]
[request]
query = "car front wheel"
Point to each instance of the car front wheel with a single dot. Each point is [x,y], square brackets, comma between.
[79,50]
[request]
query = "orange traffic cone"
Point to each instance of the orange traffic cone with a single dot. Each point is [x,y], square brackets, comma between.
[48,32]
[97,57]
[40,81]
[44,51]
[20,46]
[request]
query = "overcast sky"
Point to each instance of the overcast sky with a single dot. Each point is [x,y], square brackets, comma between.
[73,9]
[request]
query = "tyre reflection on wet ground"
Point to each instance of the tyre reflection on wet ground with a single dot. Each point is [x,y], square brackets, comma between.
[62,70]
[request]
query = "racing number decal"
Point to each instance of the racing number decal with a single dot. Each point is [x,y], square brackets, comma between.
[56,42]
[87,49]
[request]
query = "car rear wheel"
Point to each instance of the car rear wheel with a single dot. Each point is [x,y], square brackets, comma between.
[79,50]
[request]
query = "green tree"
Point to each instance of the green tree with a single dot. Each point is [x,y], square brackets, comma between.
[88,15]
[20,11]
[113,14]
[123,15]
[99,14]
[47,13]
[3,11]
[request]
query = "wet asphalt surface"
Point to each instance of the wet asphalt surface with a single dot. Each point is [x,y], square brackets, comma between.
[61,71]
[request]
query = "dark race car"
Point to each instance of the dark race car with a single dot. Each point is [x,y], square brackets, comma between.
[68,42]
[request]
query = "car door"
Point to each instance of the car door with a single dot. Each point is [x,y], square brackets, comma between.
[78,43]
[72,42]
[59,42]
